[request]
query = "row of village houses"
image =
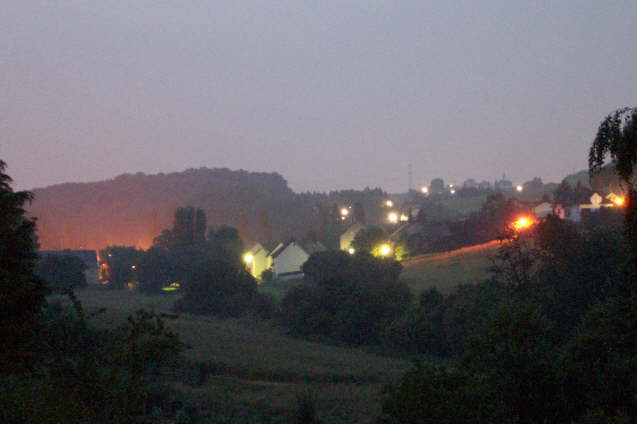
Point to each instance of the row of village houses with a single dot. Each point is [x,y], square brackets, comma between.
[286,259]
[574,212]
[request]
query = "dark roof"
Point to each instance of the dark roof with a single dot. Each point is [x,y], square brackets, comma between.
[89,257]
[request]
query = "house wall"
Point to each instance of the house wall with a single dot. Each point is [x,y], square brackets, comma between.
[543,210]
[348,236]
[260,262]
[289,260]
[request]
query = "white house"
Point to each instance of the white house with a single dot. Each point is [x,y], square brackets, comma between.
[257,260]
[616,199]
[347,237]
[288,258]
[596,203]
[543,210]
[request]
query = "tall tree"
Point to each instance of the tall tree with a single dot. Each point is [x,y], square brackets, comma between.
[359,213]
[616,140]
[199,226]
[189,227]
[22,293]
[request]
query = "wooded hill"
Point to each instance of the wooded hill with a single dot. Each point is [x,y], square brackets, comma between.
[132,209]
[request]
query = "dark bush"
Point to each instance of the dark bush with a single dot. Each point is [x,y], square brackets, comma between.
[218,288]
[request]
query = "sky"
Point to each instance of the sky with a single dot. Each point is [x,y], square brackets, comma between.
[330,94]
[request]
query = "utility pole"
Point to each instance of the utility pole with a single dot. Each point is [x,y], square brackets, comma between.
[409,186]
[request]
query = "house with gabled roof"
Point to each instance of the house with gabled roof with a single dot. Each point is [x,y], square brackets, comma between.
[543,210]
[345,240]
[288,258]
[257,260]
[597,202]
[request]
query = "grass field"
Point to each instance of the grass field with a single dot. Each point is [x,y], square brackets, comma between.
[259,368]
[445,271]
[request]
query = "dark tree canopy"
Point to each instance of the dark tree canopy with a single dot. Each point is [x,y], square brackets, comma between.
[219,288]
[616,140]
[21,291]
[368,239]
[122,262]
[62,271]
[189,227]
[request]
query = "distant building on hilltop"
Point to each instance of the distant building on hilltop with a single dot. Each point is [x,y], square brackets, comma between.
[484,185]
[503,184]
[470,183]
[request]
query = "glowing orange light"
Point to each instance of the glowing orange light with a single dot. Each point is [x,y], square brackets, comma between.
[522,223]
[619,201]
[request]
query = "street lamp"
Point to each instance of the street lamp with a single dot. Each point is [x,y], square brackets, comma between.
[392,217]
[522,223]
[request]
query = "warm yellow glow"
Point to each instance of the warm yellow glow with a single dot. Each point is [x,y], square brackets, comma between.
[424,189]
[619,201]
[389,204]
[248,258]
[133,267]
[404,217]
[344,212]
[519,188]
[351,250]
[385,250]
[522,223]
[172,287]
[392,217]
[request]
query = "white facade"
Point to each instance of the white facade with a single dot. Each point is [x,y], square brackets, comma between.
[543,210]
[257,260]
[347,237]
[596,202]
[289,259]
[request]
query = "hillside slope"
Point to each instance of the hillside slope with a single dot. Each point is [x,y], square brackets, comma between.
[132,209]
[446,270]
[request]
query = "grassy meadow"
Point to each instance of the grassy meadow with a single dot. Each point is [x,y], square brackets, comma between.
[445,271]
[257,369]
